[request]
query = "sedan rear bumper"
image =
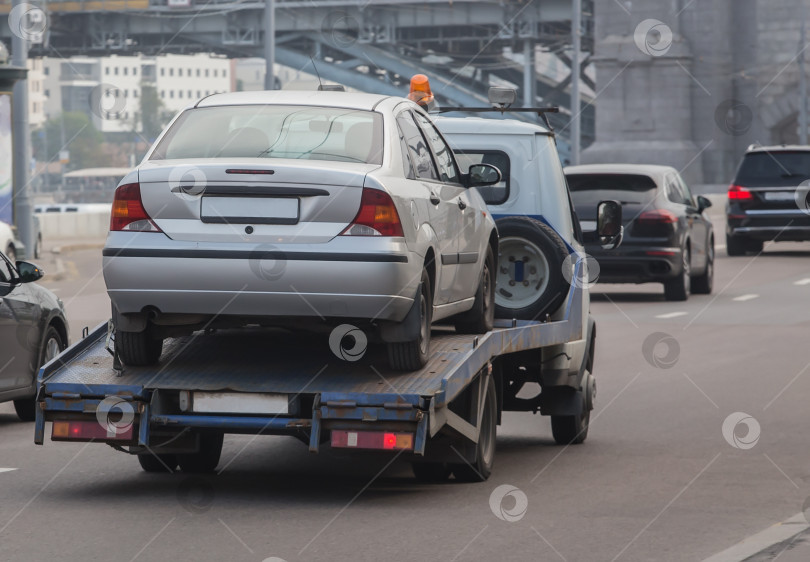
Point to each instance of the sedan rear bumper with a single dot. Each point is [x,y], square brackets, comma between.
[262,281]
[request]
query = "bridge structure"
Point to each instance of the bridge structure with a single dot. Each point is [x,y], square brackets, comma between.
[464,46]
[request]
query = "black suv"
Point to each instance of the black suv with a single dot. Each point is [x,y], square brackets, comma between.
[766,200]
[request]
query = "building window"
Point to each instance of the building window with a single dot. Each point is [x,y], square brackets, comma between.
[215,73]
[206,73]
[163,94]
[198,94]
[126,71]
[115,71]
[171,94]
[198,73]
[135,71]
[208,92]
[106,70]
[47,93]
[179,93]
[189,94]
[224,73]
[134,93]
[163,72]
[47,70]
[126,93]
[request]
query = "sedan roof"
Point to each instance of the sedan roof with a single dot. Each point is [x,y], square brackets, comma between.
[654,171]
[348,100]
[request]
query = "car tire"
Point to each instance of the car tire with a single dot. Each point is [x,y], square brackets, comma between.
[534,243]
[480,469]
[703,284]
[413,355]
[572,430]
[157,463]
[739,245]
[480,319]
[207,458]
[138,348]
[431,471]
[11,254]
[677,288]
[52,345]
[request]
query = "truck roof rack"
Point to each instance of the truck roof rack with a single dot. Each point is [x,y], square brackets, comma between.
[541,111]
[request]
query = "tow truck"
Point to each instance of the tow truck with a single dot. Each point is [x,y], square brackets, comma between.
[338,392]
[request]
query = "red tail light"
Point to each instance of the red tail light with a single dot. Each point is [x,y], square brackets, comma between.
[128,212]
[738,193]
[658,216]
[377,216]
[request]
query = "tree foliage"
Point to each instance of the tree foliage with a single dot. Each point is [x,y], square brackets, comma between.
[80,138]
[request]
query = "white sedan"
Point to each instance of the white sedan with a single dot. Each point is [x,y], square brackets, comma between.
[292,208]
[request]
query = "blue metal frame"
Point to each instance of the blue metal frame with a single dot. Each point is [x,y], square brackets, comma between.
[380,410]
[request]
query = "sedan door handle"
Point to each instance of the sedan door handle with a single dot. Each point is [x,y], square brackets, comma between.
[461,204]
[435,199]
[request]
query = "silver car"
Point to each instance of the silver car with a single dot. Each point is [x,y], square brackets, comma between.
[300,209]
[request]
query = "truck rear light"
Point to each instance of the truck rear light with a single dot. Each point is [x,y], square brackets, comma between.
[377,216]
[372,440]
[658,216]
[738,193]
[128,213]
[88,430]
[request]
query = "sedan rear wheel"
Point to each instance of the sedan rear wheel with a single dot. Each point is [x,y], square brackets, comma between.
[138,348]
[413,355]
[53,346]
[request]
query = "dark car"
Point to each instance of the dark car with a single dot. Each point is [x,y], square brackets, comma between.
[766,201]
[667,237]
[33,330]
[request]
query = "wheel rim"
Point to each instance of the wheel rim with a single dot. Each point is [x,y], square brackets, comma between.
[52,349]
[523,273]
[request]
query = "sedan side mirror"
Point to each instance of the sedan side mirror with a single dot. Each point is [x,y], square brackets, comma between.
[609,227]
[703,203]
[28,272]
[483,174]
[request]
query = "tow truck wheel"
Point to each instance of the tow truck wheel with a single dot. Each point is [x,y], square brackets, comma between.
[157,463]
[207,458]
[481,468]
[481,317]
[573,430]
[138,348]
[431,471]
[413,355]
[529,276]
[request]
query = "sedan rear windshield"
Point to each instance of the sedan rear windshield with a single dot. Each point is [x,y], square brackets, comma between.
[609,182]
[274,131]
[774,169]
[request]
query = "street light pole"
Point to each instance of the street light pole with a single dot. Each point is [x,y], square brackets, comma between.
[269,44]
[576,24]
[22,141]
[802,89]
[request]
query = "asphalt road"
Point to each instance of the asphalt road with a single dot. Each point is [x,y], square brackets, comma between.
[656,479]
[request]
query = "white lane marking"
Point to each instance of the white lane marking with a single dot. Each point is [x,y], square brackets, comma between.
[7,469]
[755,544]
[672,314]
[743,298]
[805,281]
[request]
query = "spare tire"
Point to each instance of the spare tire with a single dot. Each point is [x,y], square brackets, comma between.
[530,281]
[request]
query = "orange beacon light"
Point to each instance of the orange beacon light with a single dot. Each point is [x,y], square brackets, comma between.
[420,91]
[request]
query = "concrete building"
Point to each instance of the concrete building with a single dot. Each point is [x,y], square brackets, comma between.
[36,93]
[692,84]
[109,89]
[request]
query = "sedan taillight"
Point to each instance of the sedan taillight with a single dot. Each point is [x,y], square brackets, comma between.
[128,213]
[377,216]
